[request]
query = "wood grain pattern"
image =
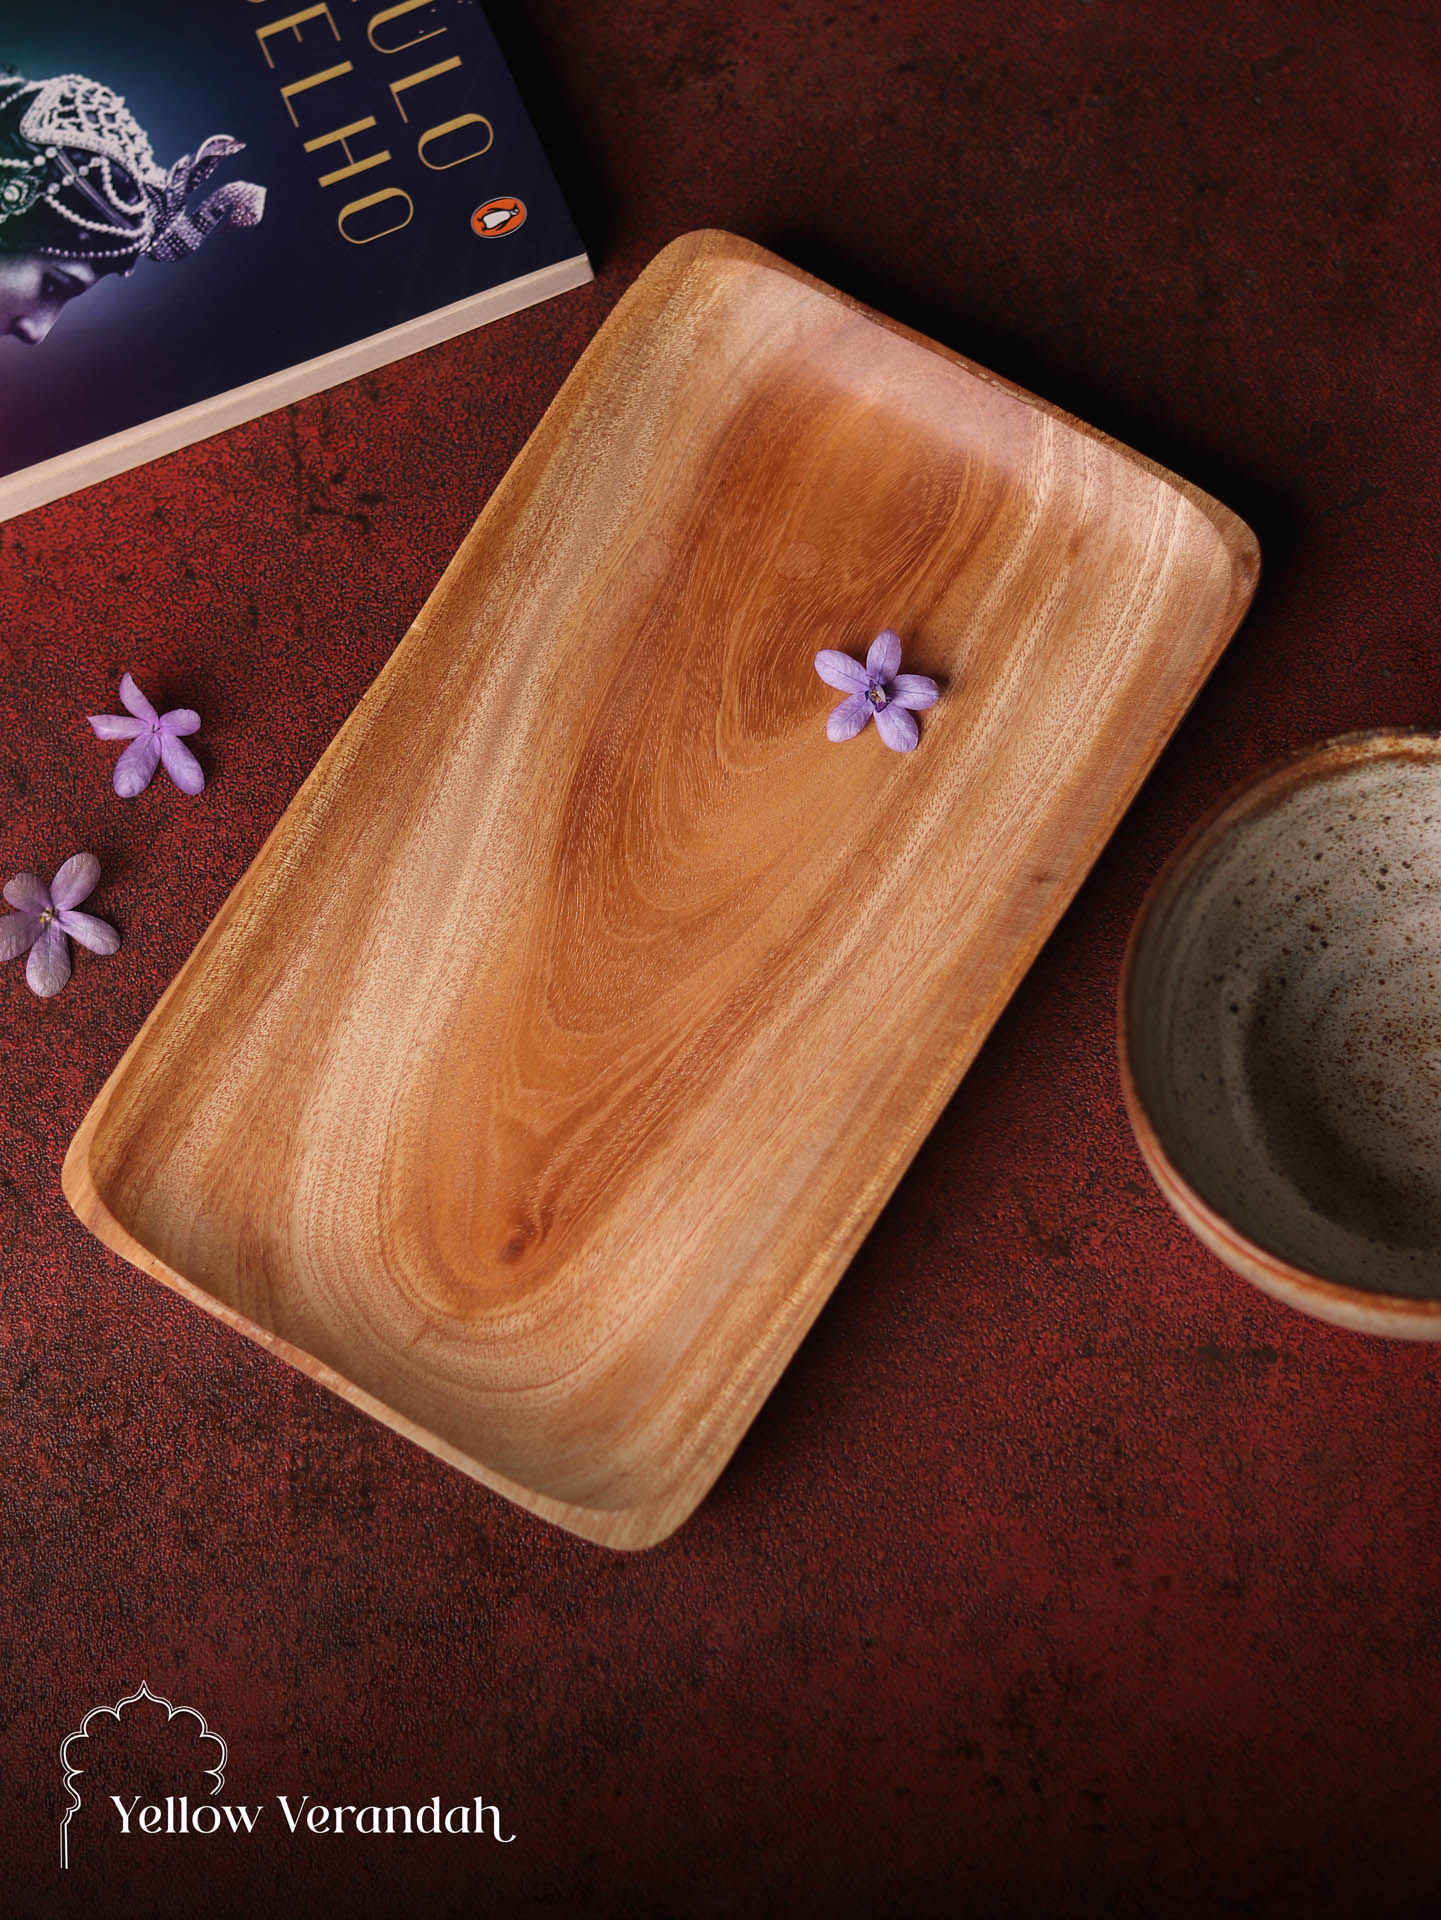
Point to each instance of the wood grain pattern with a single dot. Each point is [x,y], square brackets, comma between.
[625,996]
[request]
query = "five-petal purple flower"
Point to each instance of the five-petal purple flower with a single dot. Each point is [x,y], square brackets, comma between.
[45,915]
[154,737]
[876,691]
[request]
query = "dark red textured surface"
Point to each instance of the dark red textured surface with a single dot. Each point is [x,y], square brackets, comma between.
[1063,1573]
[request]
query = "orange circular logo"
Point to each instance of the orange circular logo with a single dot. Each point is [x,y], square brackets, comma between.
[498,217]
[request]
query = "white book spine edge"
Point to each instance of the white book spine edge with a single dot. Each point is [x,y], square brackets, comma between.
[69,472]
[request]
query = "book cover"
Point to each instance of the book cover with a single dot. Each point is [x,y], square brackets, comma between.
[209,211]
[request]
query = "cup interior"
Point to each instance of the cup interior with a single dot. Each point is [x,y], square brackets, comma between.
[1282,1017]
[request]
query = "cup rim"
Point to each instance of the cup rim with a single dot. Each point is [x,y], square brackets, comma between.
[1339,1302]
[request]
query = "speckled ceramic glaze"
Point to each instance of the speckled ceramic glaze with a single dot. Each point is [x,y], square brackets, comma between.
[1281,1032]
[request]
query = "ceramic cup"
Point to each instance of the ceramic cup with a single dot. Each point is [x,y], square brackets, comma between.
[1280,1032]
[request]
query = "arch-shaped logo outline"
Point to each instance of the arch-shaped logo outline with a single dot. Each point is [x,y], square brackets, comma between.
[515,208]
[172,1712]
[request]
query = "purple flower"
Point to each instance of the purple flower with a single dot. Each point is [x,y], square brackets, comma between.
[45,915]
[153,737]
[877,691]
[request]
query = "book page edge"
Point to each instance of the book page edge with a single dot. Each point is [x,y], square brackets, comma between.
[67,473]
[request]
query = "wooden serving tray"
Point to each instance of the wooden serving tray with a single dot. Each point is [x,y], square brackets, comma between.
[625,996]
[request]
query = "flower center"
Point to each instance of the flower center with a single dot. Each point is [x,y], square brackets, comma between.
[878,697]
[47,916]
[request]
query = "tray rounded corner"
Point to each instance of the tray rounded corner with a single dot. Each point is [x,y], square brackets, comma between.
[622,1529]
[1239,541]
[77,1183]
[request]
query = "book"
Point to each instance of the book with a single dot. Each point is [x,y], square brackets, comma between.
[208,212]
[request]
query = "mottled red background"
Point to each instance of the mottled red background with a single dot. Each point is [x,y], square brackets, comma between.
[1063,1574]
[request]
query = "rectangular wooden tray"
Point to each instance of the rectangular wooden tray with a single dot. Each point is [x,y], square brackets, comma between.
[625,996]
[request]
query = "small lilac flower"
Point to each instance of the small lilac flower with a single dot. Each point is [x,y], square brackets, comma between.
[45,915]
[153,737]
[876,690]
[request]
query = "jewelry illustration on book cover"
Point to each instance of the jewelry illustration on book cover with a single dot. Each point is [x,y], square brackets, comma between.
[82,195]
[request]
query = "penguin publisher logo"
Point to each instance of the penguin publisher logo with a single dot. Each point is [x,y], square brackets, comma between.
[498,217]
